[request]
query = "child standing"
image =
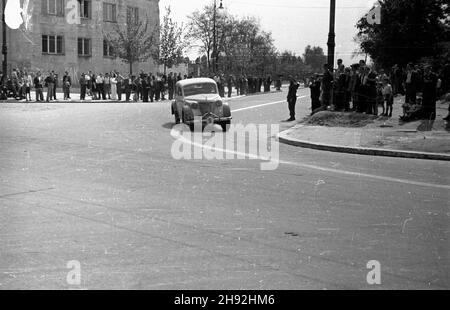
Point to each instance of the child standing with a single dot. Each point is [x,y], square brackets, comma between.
[388,96]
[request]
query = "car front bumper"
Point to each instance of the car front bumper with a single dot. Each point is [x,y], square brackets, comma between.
[210,119]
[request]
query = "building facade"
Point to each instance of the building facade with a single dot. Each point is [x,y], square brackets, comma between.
[52,37]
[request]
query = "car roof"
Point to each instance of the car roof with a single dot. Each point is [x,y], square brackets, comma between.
[187,82]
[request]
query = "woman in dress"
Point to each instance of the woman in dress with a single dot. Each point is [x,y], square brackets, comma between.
[114,87]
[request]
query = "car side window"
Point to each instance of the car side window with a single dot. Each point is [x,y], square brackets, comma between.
[179,92]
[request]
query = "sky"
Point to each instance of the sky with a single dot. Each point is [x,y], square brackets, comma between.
[294,23]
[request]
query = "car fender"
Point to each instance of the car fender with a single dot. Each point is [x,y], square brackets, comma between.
[187,112]
[226,110]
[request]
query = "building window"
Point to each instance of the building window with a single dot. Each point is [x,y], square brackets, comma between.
[132,15]
[109,12]
[53,7]
[52,44]
[108,50]
[84,47]
[85,8]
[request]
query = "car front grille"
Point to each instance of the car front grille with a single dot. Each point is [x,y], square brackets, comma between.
[206,108]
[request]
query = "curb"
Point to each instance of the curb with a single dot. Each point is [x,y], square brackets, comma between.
[283,137]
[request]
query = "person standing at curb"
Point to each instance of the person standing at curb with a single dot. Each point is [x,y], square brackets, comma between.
[145,88]
[171,84]
[107,87]
[429,94]
[127,87]
[50,84]
[315,93]
[83,86]
[119,86]
[292,98]
[327,85]
[67,82]
[38,87]
[55,85]
[113,81]
[28,83]
[89,83]
[388,97]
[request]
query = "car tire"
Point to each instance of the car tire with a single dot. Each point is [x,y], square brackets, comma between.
[177,118]
[191,126]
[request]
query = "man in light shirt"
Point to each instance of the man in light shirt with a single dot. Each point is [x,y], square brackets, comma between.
[100,86]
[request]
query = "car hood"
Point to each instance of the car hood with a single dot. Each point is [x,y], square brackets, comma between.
[204,98]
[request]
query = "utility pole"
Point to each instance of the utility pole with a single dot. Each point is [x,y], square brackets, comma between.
[4,48]
[215,51]
[214,38]
[332,34]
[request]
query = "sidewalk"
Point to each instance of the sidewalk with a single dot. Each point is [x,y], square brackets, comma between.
[377,136]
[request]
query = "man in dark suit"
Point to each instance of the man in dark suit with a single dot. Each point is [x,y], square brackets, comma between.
[50,84]
[292,98]
[67,83]
[327,86]
[127,87]
[55,85]
[315,93]
[38,81]
[83,86]
[171,85]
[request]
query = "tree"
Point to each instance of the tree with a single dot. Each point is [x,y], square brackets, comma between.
[315,58]
[409,31]
[171,42]
[291,65]
[133,41]
[201,28]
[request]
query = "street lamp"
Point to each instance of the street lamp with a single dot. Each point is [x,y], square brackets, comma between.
[332,34]
[4,48]
[215,53]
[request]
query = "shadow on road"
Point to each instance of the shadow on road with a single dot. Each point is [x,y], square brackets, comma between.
[168,126]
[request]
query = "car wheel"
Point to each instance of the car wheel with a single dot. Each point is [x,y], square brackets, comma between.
[177,118]
[191,125]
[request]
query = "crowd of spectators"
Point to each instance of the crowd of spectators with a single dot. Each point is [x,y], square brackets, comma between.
[359,88]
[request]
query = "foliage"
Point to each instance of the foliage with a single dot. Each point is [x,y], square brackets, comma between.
[314,58]
[171,42]
[409,31]
[132,42]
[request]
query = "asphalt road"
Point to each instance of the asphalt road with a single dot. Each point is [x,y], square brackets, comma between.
[97,184]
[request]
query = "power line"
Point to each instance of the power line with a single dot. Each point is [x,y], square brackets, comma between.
[298,7]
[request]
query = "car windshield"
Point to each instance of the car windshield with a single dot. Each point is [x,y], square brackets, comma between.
[200,89]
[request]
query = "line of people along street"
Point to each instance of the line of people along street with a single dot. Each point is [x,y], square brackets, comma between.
[359,88]
[108,86]
[115,86]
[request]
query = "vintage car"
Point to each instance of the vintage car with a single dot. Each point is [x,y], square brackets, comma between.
[198,101]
